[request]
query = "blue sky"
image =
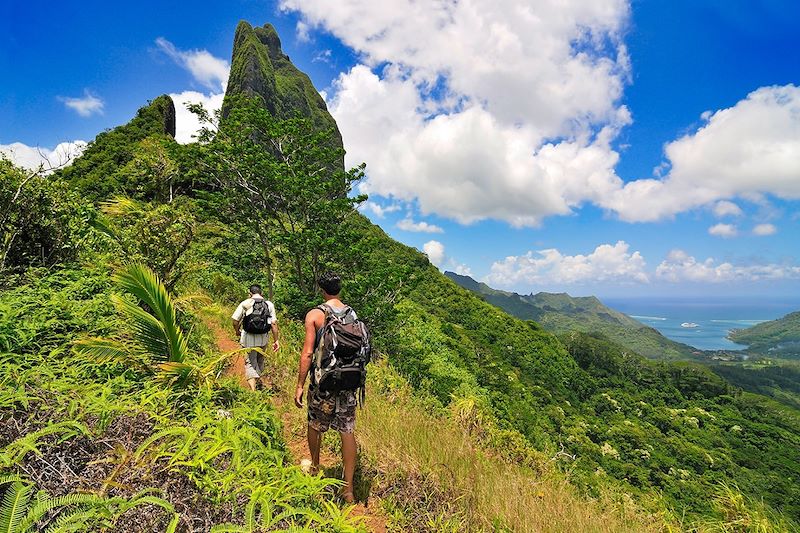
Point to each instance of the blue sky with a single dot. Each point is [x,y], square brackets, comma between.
[626,148]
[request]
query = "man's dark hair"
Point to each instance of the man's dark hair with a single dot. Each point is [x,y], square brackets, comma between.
[255,289]
[330,282]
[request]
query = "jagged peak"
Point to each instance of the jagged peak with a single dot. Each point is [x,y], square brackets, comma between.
[268,36]
[260,69]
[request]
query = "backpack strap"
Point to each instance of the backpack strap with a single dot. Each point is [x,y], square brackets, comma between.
[327,310]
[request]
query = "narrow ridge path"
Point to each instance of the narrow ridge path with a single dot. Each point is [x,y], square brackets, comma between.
[293,434]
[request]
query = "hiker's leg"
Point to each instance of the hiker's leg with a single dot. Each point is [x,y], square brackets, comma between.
[251,369]
[314,443]
[349,460]
[261,364]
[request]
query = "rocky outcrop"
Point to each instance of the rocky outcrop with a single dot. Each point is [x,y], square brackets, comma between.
[165,107]
[95,173]
[260,68]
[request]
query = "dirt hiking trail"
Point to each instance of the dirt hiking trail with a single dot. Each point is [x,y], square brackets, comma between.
[294,429]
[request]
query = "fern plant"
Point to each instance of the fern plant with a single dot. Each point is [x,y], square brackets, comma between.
[16,451]
[264,513]
[22,511]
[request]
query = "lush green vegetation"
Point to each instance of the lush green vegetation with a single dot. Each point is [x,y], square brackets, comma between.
[136,159]
[92,422]
[560,313]
[110,383]
[43,222]
[776,338]
[777,378]
[664,431]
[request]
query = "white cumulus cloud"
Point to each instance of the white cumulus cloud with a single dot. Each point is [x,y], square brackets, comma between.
[481,109]
[435,252]
[763,230]
[747,150]
[303,32]
[607,263]
[186,122]
[207,69]
[679,266]
[724,208]
[437,256]
[458,268]
[86,105]
[726,231]
[506,110]
[407,224]
[377,209]
[35,157]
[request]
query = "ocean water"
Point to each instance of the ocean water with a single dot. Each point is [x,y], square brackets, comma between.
[714,317]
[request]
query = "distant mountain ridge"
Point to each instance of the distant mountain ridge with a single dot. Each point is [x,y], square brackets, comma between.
[560,313]
[779,337]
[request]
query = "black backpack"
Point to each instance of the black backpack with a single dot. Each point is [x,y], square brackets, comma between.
[342,352]
[258,320]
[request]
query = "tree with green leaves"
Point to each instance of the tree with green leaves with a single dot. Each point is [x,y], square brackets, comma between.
[286,179]
[42,221]
[158,235]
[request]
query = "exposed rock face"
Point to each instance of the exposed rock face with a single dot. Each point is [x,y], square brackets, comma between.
[166,107]
[260,68]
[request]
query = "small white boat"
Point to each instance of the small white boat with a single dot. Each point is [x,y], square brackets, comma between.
[689,325]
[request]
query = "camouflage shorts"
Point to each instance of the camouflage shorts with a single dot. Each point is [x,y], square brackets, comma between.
[336,412]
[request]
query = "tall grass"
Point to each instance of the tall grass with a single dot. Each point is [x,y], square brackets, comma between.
[432,475]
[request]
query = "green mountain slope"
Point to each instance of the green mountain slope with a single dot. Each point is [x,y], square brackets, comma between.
[666,435]
[778,338]
[560,313]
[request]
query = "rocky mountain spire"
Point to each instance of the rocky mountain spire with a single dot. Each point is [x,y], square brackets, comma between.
[260,68]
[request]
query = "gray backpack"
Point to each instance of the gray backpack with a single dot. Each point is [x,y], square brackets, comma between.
[342,352]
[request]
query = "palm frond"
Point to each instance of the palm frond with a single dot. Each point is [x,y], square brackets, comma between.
[148,332]
[145,285]
[179,373]
[104,226]
[103,350]
[120,205]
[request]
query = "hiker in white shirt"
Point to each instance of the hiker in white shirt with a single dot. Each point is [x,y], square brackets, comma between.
[252,322]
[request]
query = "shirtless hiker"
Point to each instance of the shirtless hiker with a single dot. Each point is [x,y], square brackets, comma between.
[333,409]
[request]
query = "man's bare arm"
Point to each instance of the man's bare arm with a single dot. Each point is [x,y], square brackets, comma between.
[237,327]
[305,355]
[276,344]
